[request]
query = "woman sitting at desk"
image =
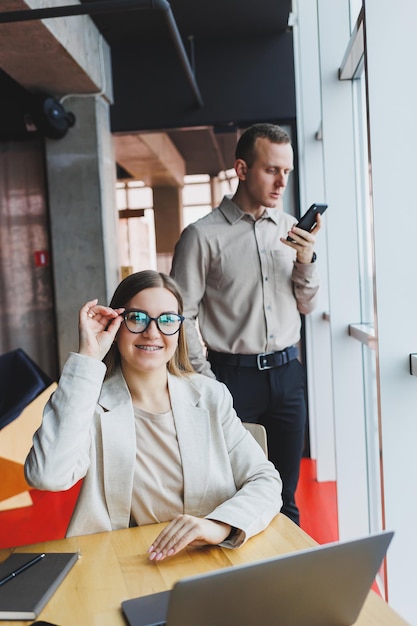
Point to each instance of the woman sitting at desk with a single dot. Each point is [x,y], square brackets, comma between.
[155,441]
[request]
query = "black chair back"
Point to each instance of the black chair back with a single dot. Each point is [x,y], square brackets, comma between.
[21,381]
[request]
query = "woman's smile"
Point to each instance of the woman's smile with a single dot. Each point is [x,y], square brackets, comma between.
[148,348]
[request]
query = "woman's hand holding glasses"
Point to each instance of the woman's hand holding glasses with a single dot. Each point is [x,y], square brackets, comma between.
[98,326]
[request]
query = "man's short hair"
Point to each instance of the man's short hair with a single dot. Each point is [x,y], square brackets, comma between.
[245,148]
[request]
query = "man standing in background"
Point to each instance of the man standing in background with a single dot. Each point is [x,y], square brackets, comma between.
[246,285]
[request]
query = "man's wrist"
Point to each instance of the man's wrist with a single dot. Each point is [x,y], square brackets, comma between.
[312,260]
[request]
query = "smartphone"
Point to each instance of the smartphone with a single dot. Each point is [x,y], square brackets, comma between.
[308,220]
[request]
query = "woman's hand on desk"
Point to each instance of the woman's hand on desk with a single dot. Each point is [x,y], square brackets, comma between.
[186,530]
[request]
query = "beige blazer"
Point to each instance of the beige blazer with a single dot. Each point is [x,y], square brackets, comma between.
[88,431]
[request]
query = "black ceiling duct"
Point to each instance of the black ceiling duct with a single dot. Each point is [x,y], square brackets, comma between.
[50,117]
[110,6]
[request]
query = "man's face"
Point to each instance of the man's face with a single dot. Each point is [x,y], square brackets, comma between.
[266,180]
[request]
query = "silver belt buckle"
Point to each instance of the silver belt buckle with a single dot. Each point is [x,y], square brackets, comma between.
[263,366]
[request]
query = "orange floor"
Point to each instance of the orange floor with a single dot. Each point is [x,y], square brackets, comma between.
[317,503]
[48,517]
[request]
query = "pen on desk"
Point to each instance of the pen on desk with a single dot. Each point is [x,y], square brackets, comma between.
[21,569]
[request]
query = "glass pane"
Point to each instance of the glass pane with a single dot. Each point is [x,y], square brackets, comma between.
[363,204]
[121,198]
[193,213]
[355,7]
[196,178]
[196,194]
[229,186]
[366,268]
[139,197]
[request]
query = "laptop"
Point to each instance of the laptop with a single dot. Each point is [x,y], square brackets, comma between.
[325,585]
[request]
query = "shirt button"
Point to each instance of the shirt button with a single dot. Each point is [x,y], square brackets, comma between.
[266,277]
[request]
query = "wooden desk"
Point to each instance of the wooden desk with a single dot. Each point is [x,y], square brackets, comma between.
[114,566]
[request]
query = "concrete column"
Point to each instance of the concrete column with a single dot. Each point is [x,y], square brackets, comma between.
[167,202]
[81,185]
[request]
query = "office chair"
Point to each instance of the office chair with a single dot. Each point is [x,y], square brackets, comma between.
[21,381]
[259,433]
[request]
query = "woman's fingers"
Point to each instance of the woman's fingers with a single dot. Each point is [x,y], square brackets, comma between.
[99,313]
[187,530]
[98,327]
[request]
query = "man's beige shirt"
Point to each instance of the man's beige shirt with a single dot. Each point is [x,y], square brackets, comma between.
[241,283]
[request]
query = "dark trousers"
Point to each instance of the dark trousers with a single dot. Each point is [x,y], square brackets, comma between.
[275,398]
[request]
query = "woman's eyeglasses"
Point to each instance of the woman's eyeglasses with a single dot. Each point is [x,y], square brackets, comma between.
[138,321]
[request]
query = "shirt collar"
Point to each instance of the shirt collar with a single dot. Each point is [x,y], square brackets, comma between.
[233,214]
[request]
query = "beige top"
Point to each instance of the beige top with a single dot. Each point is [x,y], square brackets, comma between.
[158,484]
[242,284]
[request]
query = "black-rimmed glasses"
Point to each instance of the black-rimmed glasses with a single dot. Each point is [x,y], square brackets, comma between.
[138,321]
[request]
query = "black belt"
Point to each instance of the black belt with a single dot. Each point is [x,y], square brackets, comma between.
[263,361]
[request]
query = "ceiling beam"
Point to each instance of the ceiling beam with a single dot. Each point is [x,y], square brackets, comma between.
[150,157]
[106,6]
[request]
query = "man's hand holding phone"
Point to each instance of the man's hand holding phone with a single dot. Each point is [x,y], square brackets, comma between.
[301,237]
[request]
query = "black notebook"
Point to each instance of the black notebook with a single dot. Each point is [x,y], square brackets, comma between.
[25,595]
